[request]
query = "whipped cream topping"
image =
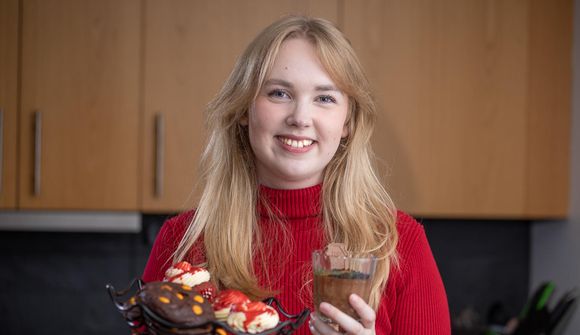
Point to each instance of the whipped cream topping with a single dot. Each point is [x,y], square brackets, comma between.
[225,300]
[172,272]
[254,322]
[222,313]
[192,278]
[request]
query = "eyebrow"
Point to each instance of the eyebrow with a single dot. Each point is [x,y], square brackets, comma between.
[288,84]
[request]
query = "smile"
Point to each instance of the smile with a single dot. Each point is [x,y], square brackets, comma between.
[296,143]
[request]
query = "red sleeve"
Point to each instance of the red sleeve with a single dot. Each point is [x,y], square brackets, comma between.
[421,299]
[166,243]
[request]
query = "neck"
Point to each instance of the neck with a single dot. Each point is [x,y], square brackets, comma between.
[290,203]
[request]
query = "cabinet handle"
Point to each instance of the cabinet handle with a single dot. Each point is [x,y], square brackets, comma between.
[37,150]
[159,154]
[1,149]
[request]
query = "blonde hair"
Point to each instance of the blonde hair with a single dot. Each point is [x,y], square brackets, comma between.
[356,208]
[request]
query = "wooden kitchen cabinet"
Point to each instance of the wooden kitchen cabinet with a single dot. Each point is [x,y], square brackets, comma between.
[79,115]
[190,48]
[8,101]
[474,101]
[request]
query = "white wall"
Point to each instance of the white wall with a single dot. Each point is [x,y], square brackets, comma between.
[555,246]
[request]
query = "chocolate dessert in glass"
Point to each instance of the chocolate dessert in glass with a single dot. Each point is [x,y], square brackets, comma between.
[338,274]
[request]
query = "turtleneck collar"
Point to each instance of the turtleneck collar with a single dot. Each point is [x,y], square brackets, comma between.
[290,204]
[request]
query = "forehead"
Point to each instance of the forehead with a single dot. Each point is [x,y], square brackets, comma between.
[298,60]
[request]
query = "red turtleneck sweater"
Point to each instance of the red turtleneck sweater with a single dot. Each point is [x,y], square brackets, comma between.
[414,301]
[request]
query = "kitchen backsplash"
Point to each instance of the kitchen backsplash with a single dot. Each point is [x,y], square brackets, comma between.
[54,283]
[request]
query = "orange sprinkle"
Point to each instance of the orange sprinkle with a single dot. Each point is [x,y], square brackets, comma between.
[220,331]
[164,300]
[179,295]
[186,287]
[132,301]
[197,310]
[198,298]
[166,287]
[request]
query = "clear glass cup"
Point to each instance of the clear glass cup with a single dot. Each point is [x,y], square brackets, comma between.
[337,277]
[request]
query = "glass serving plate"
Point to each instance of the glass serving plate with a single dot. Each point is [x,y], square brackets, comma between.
[143,320]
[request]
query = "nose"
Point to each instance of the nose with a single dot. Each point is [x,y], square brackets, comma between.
[300,116]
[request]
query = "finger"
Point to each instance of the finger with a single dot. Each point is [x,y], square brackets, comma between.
[313,330]
[365,312]
[345,321]
[322,327]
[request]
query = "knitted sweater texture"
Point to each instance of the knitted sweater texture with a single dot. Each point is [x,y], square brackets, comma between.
[413,303]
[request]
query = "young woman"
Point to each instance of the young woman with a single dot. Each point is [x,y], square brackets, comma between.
[288,169]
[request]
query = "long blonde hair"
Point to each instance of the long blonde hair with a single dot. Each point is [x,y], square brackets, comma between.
[356,208]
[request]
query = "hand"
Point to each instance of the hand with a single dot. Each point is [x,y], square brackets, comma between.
[347,324]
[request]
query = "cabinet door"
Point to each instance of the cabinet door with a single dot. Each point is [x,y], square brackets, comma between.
[452,82]
[8,104]
[549,108]
[79,110]
[190,48]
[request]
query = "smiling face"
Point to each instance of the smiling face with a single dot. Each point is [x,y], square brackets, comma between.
[297,120]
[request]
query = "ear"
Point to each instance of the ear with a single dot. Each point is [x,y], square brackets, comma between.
[244,120]
[348,122]
[345,131]
[347,128]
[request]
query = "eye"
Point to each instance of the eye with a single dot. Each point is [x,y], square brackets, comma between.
[326,99]
[278,94]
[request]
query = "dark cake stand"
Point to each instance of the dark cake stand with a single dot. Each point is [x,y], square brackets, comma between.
[143,320]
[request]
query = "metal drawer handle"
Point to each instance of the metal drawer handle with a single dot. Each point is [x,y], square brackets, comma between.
[159,154]
[37,151]
[1,149]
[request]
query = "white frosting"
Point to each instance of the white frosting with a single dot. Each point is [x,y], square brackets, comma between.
[187,278]
[261,323]
[222,314]
[194,279]
[172,272]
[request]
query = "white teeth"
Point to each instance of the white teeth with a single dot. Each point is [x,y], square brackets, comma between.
[295,143]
